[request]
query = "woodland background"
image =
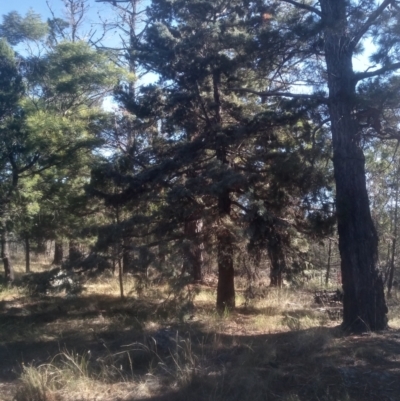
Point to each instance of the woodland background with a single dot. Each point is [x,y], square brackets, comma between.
[188,195]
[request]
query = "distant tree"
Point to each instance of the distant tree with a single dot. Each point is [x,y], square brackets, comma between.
[16,28]
[55,121]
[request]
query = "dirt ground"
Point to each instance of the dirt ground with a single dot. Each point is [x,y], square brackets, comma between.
[138,349]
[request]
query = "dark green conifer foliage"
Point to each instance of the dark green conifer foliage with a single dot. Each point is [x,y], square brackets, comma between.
[324,38]
[207,153]
[11,91]
[49,126]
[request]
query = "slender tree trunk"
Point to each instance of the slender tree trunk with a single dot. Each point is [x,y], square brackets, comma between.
[114,258]
[364,306]
[121,276]
[162,254]
[74,253]
[27,254]
[127,256]
[58,253]
[277,258]
[4,249]
[119,261]
[193,258]
[394,240]
[225,240]
[226,273]
[41,247]
[8,269]
[328,266]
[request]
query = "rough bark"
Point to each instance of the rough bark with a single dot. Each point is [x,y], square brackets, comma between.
[364,300]
[226,273]
[58,253]
[225,240]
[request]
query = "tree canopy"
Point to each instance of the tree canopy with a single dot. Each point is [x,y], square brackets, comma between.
[256,135]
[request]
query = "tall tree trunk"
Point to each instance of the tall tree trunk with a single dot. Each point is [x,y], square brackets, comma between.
[193,258]
[364,306]
[394,240]
[162,254]
[225,240]
[328,266]
[27,254]
[121,276]
[75,253]
[226,273]
[277,257]
[114,258]
[58,253]
[8,269]
[4,249]
[127,256]
[41,247]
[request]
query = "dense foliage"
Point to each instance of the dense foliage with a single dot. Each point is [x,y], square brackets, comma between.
[230,154]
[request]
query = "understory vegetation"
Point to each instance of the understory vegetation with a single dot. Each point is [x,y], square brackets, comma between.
[151,345]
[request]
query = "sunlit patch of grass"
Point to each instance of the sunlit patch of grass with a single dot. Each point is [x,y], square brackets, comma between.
[265,323]
[394,310]
[8,293]
[304,319]
[70,376]
[205,295]
[109,285]
[283,299]
[37,264]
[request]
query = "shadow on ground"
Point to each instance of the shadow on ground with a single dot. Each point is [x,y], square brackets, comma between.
[189,360]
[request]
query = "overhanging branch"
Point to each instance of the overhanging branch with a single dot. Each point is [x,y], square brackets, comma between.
[282,94]
[368,74]
[369,22]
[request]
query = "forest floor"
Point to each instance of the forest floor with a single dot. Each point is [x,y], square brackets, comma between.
[158,347]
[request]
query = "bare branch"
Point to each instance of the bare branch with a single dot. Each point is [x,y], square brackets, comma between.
[370,21]
[304,6]
[282,94]
[368,74]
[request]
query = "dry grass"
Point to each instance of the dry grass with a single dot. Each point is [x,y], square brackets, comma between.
[394,309]
[278,346]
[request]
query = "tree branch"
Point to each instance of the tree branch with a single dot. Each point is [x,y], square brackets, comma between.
[368,74]
[303,6]
[282,94]
[369,22]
